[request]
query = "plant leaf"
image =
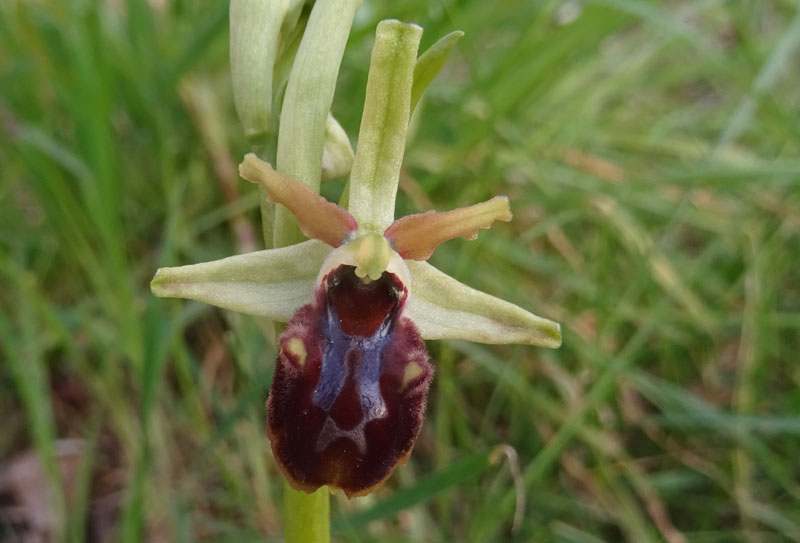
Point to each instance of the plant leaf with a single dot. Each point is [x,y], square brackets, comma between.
[255,33]
[307,103]
[430,63]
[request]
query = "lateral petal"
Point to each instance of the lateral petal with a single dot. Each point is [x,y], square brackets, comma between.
[416,236]
[444,308]
[274,283]
[318,218]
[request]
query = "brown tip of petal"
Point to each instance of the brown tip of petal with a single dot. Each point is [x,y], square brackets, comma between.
[416,236]
[317,217]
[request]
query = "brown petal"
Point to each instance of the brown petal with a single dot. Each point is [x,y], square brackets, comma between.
[317,217]
[416,236]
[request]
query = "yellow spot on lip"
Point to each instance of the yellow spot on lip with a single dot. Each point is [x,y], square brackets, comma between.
[412,371]
[298,348]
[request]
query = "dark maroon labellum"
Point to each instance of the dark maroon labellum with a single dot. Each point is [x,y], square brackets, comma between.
[350,386]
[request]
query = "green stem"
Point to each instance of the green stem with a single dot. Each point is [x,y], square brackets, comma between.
[307,515]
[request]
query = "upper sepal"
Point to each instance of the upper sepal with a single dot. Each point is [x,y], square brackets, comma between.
[384,122]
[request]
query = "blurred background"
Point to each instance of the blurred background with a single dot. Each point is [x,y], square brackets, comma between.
[651,151]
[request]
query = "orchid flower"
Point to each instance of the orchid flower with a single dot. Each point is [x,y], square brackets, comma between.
[351,381]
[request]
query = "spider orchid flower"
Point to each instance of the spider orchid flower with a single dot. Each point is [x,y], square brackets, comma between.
[348,397]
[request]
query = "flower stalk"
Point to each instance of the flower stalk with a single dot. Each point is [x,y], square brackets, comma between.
[306,516]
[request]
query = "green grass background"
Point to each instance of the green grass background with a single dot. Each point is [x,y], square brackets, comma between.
[651,151]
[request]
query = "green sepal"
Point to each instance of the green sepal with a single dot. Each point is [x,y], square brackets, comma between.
[443,308]
[274,283]
[384,122]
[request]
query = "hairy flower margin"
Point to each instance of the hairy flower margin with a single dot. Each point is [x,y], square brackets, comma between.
[351,381]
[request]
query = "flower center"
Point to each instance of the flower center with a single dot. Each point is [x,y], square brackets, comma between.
[362,306]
